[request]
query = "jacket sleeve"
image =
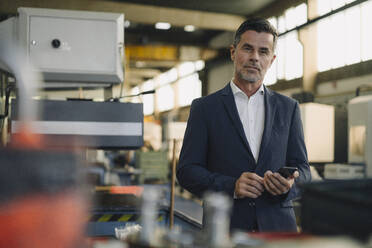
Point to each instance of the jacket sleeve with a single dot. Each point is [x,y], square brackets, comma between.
[192,170]
[296,153]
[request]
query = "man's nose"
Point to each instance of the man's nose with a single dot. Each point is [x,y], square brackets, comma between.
[254,56]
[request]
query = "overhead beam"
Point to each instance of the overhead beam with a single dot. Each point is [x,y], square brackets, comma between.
[135,12]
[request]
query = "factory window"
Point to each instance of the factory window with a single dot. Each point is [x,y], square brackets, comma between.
[271,74]
[280,53]
[289,59]
[353,38]
[270,77]
[183,78]
[295,16]
[289,50]
[331,42]
[135,91]
[366,19]
[293,56]
[289,64]
[189,88]
[343,38]
[281,24]
[166,77]
[186,68]
[148,100]
[273,21]
[165,98]
[326,6]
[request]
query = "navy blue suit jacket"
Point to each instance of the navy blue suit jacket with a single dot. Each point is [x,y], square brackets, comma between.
[215,153]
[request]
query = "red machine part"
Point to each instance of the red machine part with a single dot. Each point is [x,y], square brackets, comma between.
[42,221]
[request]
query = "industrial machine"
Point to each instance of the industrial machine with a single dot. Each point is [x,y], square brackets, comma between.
[69,48]
[318,124]
[103,125]
[360,132]
[73,49]
[43,183]
[45,48]
[342,206]
[359,142]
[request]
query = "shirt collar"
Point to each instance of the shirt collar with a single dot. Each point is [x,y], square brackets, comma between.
[235,89]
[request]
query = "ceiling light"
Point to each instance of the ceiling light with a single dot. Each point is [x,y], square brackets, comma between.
[126,23]
[199,65]
[162,25]
[189,28]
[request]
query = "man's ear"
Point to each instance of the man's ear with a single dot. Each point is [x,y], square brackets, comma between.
[272,60]
[232,52]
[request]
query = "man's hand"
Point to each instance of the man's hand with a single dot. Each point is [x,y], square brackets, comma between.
[249,185]
[276,184]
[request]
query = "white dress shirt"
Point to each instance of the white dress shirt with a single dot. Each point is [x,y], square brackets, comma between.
[252,115]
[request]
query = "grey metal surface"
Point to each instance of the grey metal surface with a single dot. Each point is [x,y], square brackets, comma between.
[190,208]
[71,46]
[91,124]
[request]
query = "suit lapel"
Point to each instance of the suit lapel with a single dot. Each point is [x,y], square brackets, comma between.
[230,106]
[270,111]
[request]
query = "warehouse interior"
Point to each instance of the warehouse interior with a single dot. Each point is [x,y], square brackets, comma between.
[95,96]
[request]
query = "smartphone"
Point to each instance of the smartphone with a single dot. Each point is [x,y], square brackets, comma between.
[287,171]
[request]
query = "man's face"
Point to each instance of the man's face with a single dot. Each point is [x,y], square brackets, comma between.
[253,56]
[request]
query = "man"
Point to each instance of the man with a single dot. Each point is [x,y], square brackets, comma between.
[237,139]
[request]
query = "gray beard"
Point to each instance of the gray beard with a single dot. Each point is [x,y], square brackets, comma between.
[249,79]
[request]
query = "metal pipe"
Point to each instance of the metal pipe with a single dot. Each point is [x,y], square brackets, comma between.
[174,161]
[218,208]
[149,210]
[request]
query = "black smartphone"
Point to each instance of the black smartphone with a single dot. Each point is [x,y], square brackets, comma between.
[287,171]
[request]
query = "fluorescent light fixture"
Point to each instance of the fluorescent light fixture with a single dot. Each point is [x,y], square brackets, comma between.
[162,25]
[199,65]
[140,64]
[189,28]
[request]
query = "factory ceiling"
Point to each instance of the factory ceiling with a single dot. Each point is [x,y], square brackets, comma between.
[234,7]
[163,49]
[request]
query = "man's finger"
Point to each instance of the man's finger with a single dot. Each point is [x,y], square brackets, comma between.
[254,176]
[250,181]
[253,179]
[257,185]
[280,183]
[296,174]
[266,187]
[247,193]
[267,173]
[272,187]
[253,189]
[266,179]
[249,188]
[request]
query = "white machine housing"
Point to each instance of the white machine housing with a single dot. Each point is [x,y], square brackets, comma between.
[318,124]
[343,171]
[360,132]
[77,48]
